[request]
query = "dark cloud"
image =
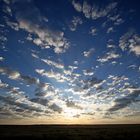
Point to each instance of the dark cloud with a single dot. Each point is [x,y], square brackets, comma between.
[30,80]
[121,103]
[13,101]
[73,105]
[91,82]
[15,75]
[56,108]
[45,102]
[41,101]
[43,89]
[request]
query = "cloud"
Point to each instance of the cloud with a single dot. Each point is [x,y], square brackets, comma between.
[53,63]
[86,9]
[110,44]
[44,90]
[30,80]
[89,52]
[56,108]
[73,105]
[34,55]
[13,25]
[20,104]
[1,58]
[12,90]
[94,12]
[130,41]
[135,49]
[91,82]
[75,22]
[88,72]
[34,24]
[109,56]
[6,9]
[110,30]
[15,75]
[41,101]
[11,74]
[115,18]
[51,74]
[77,6]
[93,31]
[123,102]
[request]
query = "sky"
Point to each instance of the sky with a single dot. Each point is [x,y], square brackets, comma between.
[69,61]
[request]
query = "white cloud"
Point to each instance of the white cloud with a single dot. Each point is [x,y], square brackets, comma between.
[11,74]
[94,11]
[109,56]
[110,30]
[86,9]
[77,6]
[135,49]
[75,22]
[13,25]
[119,21]
[88,72]
[51,74]
[1,58]
[130,41]
[115,18]
[34,55]
[110,44]
[37,41]
[7,10]
[93,31]
[46,36]
[32,23]
[89,52]
[53,63]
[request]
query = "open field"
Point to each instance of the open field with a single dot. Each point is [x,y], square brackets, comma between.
[70,132]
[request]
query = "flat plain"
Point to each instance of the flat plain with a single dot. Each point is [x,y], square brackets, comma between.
[70,132]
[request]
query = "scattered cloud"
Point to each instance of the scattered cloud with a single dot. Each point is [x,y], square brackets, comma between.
[109,56]
[88,72]
[94,12]
[1,58]
[93,31]
[130,41]
[110,44]
[15,75]
[123,102]
[89,52]
[51,74]
[75,22]
[110,30]
[13,25]
[46,37]
[53,63]
[77,6]
[72,105]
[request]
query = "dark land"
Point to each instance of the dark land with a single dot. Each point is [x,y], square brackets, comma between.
[70,132]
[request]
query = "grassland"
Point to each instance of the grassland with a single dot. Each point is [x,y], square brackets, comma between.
[70,132]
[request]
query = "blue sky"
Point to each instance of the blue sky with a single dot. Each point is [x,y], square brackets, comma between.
[69,61]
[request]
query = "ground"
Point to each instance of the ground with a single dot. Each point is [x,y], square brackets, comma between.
[70,132]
